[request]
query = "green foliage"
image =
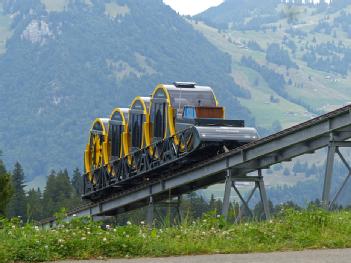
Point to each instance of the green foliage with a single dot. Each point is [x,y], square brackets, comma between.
[17,205]
[6,190]
[59,193]
[34,202]
[85,239]
[77,182]
[277,55]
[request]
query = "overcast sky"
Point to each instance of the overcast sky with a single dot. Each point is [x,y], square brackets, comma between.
[191,7]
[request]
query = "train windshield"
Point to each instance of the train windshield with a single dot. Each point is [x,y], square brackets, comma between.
[188,97]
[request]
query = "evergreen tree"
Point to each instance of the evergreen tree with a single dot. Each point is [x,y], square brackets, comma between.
[49,197]
[77,182]
[59,193]
[5,188]
[34,205]
[17,205]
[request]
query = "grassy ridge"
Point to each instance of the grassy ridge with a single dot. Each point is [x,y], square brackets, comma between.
[83,239]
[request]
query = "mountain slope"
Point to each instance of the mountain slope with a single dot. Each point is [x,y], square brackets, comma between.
[305,45]
[66,62]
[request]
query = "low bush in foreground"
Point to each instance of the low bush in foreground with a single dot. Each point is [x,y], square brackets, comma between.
[84,239]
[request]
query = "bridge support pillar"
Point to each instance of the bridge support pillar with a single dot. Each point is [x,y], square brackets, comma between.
[259,184]
[227,192]
[334,148]
[150,212]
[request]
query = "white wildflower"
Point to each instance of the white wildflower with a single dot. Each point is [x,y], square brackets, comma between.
[129,223]
[127,236]
[104,239]
[142,223]
[46,246]
[74,215]
[83,238]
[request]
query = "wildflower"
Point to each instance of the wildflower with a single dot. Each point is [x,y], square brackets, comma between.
[271,221]
[142,223]
[74,215]
[60,240]
[127,236]
[83,238]
[129,223]
[104,239]
[218,216]
[108,227]
[36,228]
[46,246]
[13,226]
[114,230]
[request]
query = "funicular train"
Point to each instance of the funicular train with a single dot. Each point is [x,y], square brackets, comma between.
[179,124]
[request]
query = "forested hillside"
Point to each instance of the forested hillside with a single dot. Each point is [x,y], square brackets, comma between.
[294,58]
[64,63]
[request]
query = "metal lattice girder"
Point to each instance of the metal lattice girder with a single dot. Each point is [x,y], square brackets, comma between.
[285,145]
[334,148]
[231,179]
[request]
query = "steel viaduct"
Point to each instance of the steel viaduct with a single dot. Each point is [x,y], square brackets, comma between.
[331,130]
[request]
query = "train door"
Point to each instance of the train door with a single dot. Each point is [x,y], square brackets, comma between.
[136,130]
[159,119]
[115,135]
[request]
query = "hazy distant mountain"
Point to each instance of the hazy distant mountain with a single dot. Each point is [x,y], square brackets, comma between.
[65,62]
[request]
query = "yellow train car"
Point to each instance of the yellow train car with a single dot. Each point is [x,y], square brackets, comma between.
[139,124]
[179,124]
[118,135]
[96,152]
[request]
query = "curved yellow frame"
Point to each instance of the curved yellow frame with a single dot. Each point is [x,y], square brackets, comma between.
[97,149]
[146,139]
[124,140]
[170,112]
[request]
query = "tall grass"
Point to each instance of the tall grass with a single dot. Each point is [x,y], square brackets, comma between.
[84,239]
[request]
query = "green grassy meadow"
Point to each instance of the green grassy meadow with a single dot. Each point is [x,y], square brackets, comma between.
[83,239]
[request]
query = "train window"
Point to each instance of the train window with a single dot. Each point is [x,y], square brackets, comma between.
[97,126]
[137,130]
[190,97]
[189,112]
[160,120]
[116,139]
